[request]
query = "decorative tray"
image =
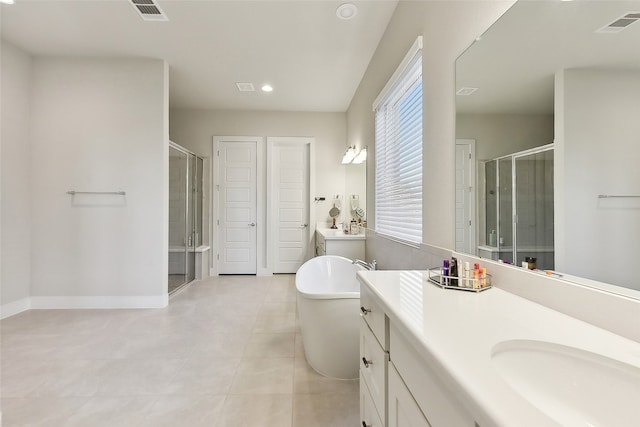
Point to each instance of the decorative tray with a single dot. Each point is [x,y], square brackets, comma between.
[468,284]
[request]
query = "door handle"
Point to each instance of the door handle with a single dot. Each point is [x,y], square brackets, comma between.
[304,225]
[252,224]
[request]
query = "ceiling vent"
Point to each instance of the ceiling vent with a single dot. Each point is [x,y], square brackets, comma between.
[466,91]
[245,87]
[149,11]
[621,23]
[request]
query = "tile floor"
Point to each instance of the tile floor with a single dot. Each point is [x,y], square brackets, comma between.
[226,352]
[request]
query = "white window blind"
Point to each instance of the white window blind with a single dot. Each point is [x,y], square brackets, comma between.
[398,151]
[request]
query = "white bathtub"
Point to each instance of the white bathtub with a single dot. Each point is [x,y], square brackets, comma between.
[328,296]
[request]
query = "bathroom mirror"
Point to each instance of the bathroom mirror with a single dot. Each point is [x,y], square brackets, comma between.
[356,184]
[567,74]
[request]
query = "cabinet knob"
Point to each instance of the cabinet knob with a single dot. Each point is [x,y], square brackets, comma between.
[365,311]
[364,424]
[366,362]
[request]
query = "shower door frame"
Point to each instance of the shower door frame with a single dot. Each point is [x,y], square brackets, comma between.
[514,211]
[188,266]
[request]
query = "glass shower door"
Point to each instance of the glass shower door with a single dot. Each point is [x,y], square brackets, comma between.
[491,204]
[534,209]
[505,210]
[191,209]
[178,170]
[185,214]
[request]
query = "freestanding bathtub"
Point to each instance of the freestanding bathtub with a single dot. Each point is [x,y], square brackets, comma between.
[328,296]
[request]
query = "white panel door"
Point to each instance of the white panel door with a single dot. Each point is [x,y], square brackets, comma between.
[465,200]
[237,234]
[291,201]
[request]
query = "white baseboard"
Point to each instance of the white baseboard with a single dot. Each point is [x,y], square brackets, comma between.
[15,307]
[100,302]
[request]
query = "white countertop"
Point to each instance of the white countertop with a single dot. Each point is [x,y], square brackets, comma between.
[456,332]
[332,234]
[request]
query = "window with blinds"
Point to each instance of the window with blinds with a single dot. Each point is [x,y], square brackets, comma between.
[398,151]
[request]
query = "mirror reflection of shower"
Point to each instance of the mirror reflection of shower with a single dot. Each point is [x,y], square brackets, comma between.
[517,219]
[185,215]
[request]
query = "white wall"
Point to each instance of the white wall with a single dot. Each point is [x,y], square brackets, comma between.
[99,125]
[448,29]
[598,135]
[501,134]
[16,180]
[194,129]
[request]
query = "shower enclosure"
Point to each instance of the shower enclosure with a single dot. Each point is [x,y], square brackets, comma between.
[185,214]
[518,220]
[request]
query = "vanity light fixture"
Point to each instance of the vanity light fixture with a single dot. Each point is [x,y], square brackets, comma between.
[349,155]
[360,157]
[346,11]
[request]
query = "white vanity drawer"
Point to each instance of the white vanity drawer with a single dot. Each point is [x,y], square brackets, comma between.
[368,413]
[432,395]
[373,367]
[373,314]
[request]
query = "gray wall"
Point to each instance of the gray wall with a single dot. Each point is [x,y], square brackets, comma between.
[195,129]
[448,29]
[599,127]
[498,135]
[16,177]
[92,125]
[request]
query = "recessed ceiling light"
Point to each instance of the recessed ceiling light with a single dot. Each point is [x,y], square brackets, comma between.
[346,11]
[267,88]
[7,1]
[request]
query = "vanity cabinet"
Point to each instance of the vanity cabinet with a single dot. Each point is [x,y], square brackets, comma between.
[398,386]
[437,404]
[403,409]
[374,361]
[334,243]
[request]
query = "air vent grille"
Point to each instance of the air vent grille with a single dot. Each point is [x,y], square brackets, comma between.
[466,91]
[245,87]
[620,23]
[149,10]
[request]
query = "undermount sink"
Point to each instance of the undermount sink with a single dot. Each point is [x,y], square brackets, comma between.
[572,386]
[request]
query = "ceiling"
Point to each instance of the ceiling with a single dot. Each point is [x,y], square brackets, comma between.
[514,62]
[313,60]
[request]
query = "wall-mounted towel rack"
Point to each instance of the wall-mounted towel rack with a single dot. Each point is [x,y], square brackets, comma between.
[119,193]
[607,196]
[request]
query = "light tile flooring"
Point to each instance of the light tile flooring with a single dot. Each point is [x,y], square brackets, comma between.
[226,352]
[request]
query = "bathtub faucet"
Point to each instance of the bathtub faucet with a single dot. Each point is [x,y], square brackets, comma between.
[368,265]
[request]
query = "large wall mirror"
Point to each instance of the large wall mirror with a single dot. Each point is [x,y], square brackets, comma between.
[548,111]
[356,187]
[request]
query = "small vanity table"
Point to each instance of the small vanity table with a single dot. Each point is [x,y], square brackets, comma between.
[336,242]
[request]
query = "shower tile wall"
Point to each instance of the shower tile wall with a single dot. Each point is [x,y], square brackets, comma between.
[535,202]
[535,207]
